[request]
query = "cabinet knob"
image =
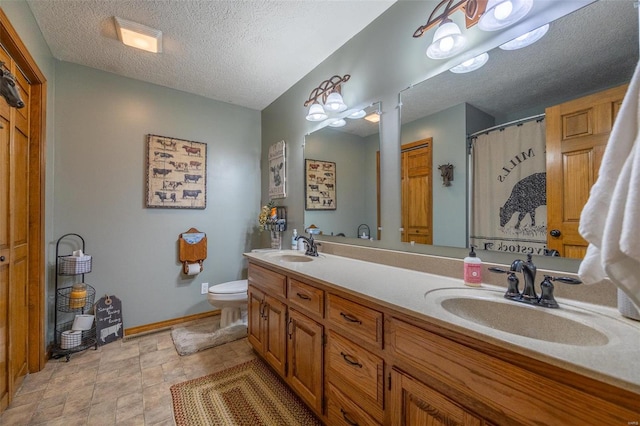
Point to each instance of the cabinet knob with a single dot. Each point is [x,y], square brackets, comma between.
[2,258]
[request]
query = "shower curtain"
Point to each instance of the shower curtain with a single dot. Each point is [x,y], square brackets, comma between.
[509,190]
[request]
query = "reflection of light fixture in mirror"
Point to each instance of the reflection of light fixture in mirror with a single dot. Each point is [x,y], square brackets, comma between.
[500,14]
[138,35]
[448,41]
[471,64]
[338,123]
[526,39]
[357,114]
[328,92]
[374,117]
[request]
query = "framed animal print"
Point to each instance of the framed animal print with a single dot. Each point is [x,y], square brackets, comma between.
[176,173]
[277,176]
[320,185]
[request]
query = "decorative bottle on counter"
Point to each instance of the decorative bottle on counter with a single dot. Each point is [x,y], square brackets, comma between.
[472,269]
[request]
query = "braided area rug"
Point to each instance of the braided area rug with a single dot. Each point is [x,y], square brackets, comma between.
[247,394]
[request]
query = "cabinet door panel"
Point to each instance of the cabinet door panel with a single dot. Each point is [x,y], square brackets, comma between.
[274,336]
[305,358]
[255,318]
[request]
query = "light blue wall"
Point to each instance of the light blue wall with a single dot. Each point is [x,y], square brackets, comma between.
[101,125]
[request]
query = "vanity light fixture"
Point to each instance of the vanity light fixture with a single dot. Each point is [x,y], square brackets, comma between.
[338,123]
[357,114]
[526,39]
[448,41]
[327,94]
[138,35]
[500,14]
[471,64]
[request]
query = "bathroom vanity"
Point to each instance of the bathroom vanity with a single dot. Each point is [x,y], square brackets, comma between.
[369,344]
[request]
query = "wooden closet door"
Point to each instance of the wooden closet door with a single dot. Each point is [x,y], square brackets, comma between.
[417,192]
[14,239]
[577,134]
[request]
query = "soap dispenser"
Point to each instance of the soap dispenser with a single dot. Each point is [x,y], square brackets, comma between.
[294,240]
[472,269]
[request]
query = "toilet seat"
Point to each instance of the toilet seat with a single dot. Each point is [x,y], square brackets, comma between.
[229,291]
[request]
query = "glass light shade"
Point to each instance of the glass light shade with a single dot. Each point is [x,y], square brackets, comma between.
[448,41]
[316,113]
[338,123]
[335,103]
[500,14]
[357,114]
[471,64]
[138,35]
[526,39]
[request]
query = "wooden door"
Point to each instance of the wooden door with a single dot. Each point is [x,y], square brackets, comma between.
[14,237]
[274,336]
[577,134]
[255,318]
[414,403]
[304,354]
[417,192]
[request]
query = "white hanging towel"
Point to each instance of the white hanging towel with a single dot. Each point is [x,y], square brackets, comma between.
[610,220]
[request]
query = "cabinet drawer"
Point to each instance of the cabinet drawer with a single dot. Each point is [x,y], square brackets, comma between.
[497,383]
[356,372]
[363,322]
[269,281]
[343,411]
[307,297]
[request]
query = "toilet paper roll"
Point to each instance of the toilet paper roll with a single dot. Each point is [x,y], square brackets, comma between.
[193,268]
[70,339]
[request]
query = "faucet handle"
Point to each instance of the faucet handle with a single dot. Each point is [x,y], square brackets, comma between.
[513,292]
[546,298]
[498,270]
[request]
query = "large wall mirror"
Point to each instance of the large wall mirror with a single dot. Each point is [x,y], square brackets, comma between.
[348,158]
[579,55]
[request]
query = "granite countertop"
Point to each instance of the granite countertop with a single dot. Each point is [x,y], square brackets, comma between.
[613,360]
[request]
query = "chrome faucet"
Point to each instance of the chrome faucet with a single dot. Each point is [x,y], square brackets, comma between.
[528,294]
[312,248]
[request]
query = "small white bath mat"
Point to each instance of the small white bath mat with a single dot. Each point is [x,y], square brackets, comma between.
[206,334]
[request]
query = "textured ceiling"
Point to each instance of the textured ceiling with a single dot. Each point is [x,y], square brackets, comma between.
[590,49]
[246,53]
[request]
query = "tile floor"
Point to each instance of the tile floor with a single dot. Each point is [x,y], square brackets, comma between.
[121,383]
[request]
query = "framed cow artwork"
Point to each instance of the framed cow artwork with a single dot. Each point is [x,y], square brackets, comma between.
[176,173]
[320,185]
[277,169]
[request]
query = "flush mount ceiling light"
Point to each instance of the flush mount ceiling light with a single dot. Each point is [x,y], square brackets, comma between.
[526,39]
[500,14]
[374,117]
[471,64]
[338,123]
[327,94]
[138,35]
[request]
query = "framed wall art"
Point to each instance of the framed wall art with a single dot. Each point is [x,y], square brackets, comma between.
[176,173]
[320,185]
[277,169]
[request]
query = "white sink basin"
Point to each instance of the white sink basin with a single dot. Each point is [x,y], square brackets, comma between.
[292,257]
[567,325]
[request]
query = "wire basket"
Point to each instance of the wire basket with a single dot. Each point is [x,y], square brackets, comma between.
[66,303]
[73,265]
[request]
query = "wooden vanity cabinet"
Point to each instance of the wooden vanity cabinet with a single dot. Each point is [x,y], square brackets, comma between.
[267,321]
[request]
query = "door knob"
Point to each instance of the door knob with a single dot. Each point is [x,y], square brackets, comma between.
[555,233]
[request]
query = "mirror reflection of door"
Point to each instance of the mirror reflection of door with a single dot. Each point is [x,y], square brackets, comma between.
[577,134]
[417,190]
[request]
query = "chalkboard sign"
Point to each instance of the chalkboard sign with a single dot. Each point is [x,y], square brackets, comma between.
[108,319]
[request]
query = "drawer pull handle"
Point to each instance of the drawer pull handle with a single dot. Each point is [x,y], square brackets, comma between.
[303,296]
[350,318]
[349,361]
[347,419]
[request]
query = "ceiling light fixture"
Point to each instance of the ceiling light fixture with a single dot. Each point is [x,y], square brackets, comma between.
[471,64]
[374,117]
[338,123]
[503,13]
[357,114]
[327,94]
[138,35]
[526,39]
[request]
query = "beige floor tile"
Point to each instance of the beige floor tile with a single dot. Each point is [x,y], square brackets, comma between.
[123,382]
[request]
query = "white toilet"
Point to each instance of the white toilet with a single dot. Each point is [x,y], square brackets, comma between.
[231,297]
